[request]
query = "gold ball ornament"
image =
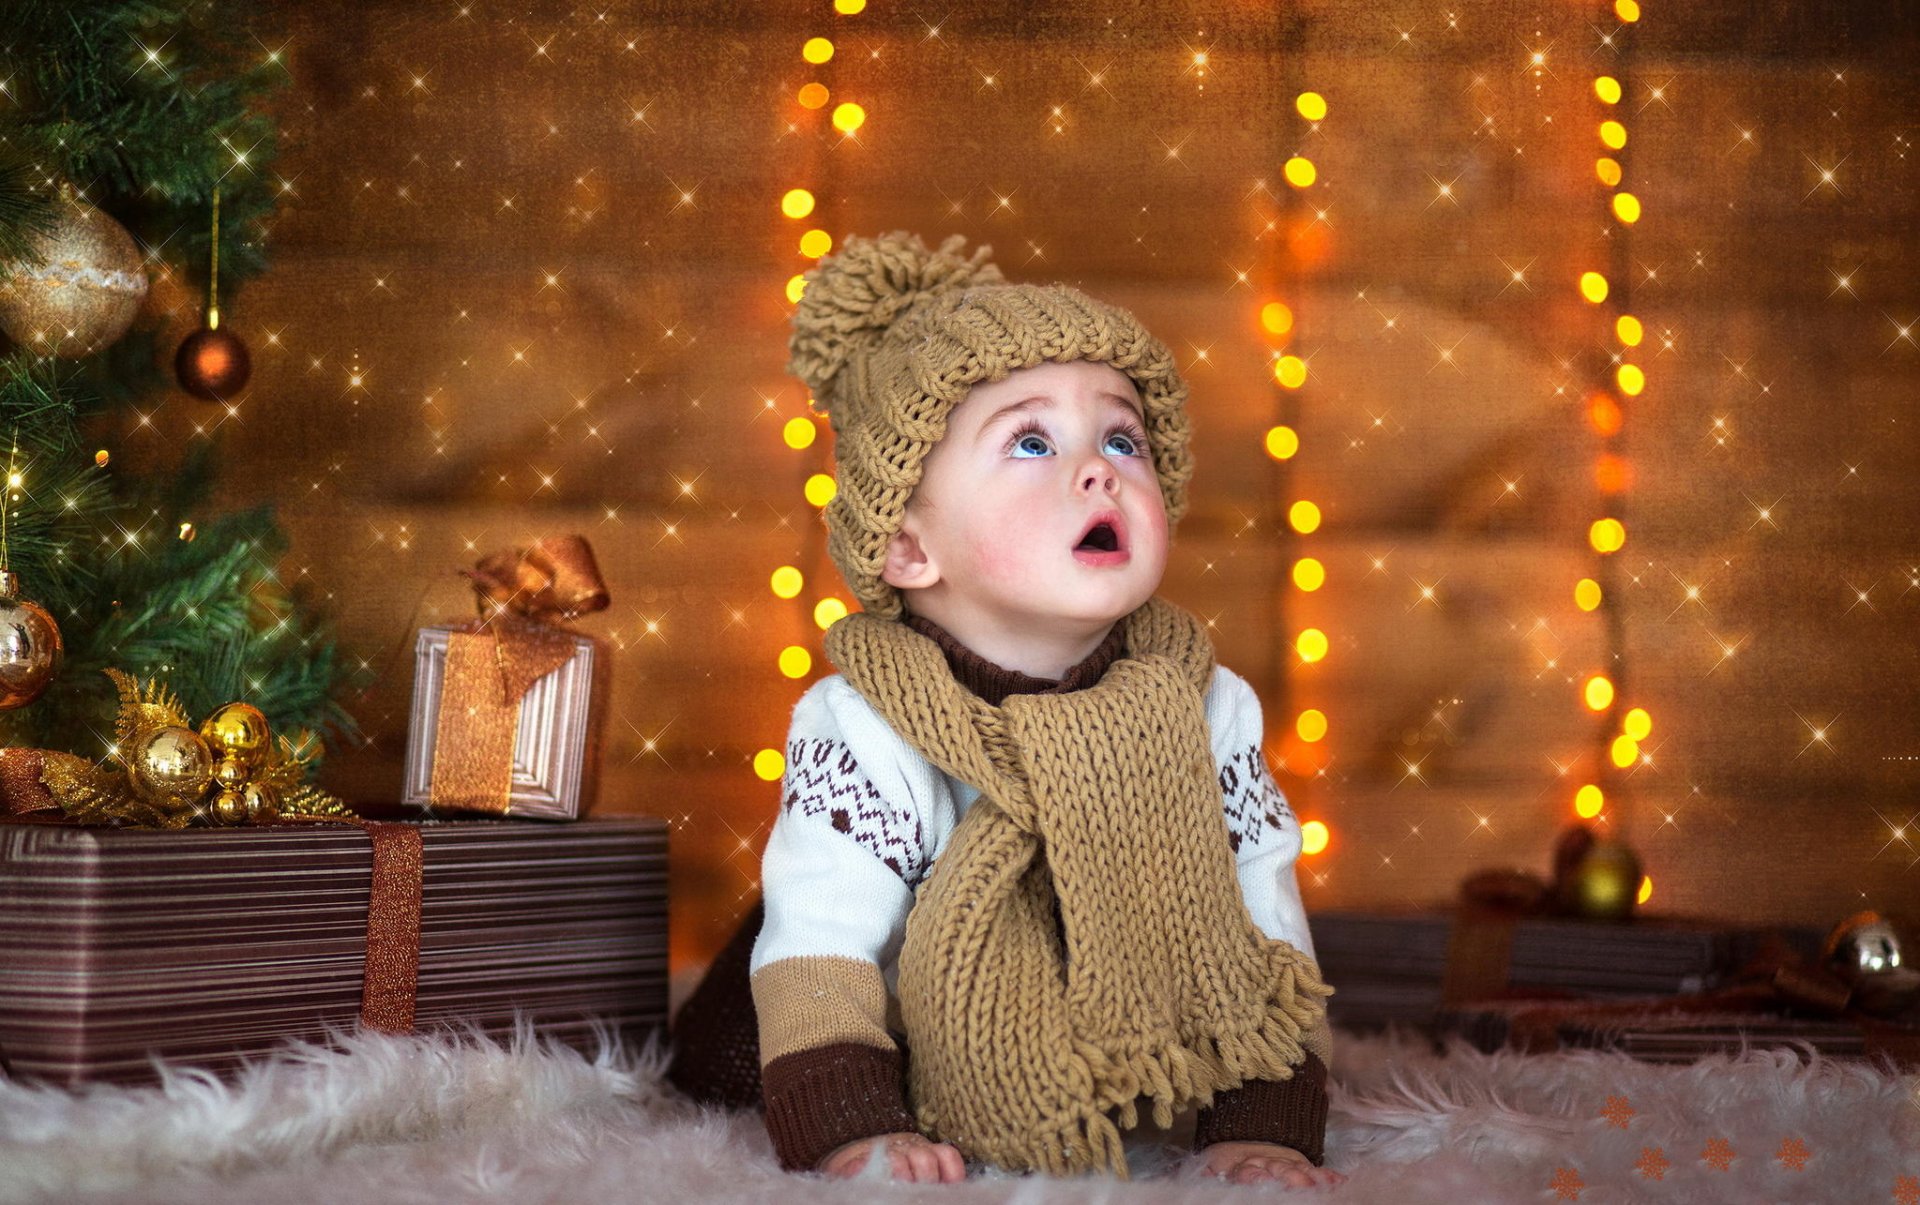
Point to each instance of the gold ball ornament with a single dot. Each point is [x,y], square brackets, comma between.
[212,364]
[1606,883]
[1878,957]
[228,773]
[170,766]
[237,733]
[30,646]
[229,807]
[262,803]
[79,289]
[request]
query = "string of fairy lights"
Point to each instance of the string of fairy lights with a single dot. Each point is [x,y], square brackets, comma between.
[1621,729]
[1304,752]
[799,207]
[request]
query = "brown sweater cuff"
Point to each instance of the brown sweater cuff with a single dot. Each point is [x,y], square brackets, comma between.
[819,1100]
[1290,1112]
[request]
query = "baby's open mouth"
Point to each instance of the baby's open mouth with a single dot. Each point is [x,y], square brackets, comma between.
[1106,532]
[1102,538]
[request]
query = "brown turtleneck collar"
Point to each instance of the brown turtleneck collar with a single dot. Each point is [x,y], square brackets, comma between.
[994,683]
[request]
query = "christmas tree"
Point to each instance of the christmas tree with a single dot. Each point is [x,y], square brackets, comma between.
[134,118]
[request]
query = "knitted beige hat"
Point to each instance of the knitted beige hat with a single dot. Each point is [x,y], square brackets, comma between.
[890,335]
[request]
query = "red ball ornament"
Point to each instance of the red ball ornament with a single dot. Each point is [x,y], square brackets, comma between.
[212,364]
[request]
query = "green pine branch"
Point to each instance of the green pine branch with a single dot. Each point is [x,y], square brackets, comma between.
[144,107]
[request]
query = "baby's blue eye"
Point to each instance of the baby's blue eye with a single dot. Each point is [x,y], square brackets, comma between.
[1031,442]
[1131,448]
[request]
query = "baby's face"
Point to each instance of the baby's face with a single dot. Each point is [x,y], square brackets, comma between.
[1041,504]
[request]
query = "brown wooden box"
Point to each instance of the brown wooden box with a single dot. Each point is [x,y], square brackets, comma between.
[206,946]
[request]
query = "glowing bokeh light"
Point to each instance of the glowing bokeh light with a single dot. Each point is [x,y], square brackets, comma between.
[1312,725]
[1626,207]
[1593,287]
[817,50]
[1290,371]
[1311,105]
[1624,751]
[1607,89]
[1304,516]
[1631,379]
[799,433]
[1276,318]
[1604,414]
[795,661]
[820,489]
[787,581]
[1607,535]
[1282,442]
[848,117]
[1311,645]
[1629,330]
[813,96]
[1608,170]
[1587,802]
[1613,134]
[827,612]
[1598,693]
[1300,172]
[1586,594]
[1313,837]
[1309,574]
[815,243]
[1638,724]
[769,765]
[797,203]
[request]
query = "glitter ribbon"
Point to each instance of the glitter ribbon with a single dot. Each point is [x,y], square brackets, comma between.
[392,977]
[493,661]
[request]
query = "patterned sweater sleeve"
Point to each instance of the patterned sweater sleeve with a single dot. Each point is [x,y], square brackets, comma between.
[1266,839]
[837,877]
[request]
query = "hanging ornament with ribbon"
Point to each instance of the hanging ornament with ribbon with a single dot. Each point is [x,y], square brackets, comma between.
[30,645]
[213,364]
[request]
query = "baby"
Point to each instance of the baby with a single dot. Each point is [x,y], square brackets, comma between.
[1030,872]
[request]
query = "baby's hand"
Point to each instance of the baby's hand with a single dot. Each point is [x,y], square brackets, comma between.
[1253,1162]
[913,1159]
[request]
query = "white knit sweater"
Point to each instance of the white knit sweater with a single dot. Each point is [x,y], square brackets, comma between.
[863,818]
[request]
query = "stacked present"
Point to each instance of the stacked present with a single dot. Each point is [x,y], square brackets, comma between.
[1406,967]
[131,930]
[1661,989]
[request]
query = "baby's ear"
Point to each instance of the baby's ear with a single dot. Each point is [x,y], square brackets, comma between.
[908,566]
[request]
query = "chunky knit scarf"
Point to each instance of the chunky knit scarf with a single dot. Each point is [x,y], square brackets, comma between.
[1031,1039]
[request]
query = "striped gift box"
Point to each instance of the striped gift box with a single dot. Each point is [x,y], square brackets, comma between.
[206,946]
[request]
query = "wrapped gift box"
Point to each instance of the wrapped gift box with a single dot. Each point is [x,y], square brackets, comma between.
[1659,1034]
[1392,967]
[553,750]
[207,946]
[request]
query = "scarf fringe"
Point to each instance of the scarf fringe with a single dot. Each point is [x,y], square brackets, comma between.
[1178,1073]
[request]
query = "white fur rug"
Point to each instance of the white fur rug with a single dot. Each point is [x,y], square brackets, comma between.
[383,1119]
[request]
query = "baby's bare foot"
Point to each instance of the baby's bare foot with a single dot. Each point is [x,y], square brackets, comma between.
[911,1158]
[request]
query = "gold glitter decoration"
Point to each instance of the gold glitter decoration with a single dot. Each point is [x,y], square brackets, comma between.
[257,778]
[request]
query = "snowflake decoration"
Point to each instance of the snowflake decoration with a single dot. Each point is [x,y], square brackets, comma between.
[1718,1155]
[1566,1184]
[1792,1154]
[1906,1190]
[1618,1111]
[1653,1163]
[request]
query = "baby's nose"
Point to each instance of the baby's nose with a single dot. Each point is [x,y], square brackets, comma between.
[1102,476]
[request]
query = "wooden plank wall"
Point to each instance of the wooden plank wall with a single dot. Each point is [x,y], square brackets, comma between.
[545,242]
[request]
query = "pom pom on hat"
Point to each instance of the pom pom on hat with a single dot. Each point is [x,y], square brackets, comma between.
[853,297]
